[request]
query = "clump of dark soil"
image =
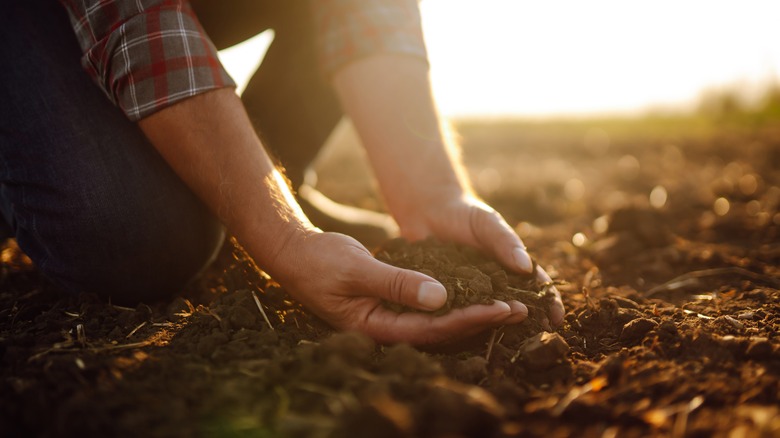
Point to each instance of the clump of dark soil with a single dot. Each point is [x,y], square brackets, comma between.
[469,276]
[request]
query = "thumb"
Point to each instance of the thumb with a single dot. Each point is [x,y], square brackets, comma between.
[403,286]
[495,236]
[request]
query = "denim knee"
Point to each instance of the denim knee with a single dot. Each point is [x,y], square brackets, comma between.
[136,253]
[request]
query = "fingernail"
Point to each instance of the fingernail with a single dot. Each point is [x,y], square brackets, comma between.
[506,311]
[522,260]
[431,295]
[518,308]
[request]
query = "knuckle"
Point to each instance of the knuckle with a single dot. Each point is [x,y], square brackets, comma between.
[488,227]
[394,284]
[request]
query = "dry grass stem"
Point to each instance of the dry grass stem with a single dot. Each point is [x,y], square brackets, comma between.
[659,417]
[67,347]
[699,315]
[576,392]
[209,312]
[81,335]
[129,335]
[121,346]
[681,422]
[126,309]
[490,345]
[260,306]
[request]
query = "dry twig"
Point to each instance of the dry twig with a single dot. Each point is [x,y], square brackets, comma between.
[490,345]
[81,335]
[135,330]
[594,385]
[210,312]
[260,306]
[126,309]
[67,347]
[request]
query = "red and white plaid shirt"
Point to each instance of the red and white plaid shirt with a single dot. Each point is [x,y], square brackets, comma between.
[149,54]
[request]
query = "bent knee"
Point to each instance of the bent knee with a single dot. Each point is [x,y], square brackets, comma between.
[147,257]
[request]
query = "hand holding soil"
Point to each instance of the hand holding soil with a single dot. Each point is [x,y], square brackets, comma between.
[466,220]
[471,278]
[338,279]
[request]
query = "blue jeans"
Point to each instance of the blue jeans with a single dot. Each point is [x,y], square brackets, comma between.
[85,194]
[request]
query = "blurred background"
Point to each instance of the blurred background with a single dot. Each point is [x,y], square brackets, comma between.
[573,58]
[569,111]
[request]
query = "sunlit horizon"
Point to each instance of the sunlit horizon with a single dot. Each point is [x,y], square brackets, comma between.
[537,59]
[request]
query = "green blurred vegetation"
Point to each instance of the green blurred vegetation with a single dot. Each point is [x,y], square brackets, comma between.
[720,113]
[728,105]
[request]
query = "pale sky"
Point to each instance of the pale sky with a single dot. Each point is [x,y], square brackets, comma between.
[579,57]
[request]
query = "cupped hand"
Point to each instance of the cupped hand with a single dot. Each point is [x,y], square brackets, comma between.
[339,280]
[467,220]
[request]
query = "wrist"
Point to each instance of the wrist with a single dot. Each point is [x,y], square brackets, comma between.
[275,250]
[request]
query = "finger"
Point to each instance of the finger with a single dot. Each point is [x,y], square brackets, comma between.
[519,312]
[387,326]
[495,236]
[402,286]
[556,309]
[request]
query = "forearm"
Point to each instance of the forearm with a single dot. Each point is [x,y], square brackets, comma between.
[389,100]
[210,143]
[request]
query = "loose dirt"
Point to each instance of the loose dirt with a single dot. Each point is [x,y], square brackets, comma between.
[671,327]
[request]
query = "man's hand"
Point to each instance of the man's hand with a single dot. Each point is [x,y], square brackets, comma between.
[469,221]
[340,281]
[426,190]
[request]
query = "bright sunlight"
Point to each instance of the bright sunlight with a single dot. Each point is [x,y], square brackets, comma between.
[567,57]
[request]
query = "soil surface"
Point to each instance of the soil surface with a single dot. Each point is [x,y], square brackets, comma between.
[666,246]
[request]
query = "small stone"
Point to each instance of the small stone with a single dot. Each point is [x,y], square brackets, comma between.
[726,319]
[544,350]
[626,303]
[627,315]
[637,329]
[746,315]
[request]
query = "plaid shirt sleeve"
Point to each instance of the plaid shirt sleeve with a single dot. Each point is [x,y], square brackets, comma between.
[352,29]
[145,54]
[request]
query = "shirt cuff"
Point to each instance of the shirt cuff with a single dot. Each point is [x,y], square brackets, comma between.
[351,29]
[155,59]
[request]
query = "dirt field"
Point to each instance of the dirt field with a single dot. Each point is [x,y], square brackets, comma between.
[664,232]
